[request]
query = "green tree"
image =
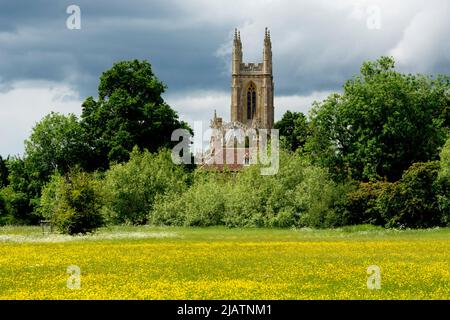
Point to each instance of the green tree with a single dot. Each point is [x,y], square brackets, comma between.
[3,210]
[382,123]
[413,200]
[129,111]
[443,182]
[445,160]
[130,188]
[3,173]
[75,201]
[298,195]
[57,143]
[293,129]
[22,193]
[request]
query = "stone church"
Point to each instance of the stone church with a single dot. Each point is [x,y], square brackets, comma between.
[252,109]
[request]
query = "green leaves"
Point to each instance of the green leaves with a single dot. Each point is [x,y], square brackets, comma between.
[299,195]
[294,128]
[57,143]
[74,202]
[382,123]
[130,111]
[131,188]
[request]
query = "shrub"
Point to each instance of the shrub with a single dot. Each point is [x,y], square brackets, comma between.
[316,195]
[3,212]
[413,200]
[15,207]
[360,204]
[74,202]
[130,188]
[298,195]
[201,205]
[443,181]
[247,197]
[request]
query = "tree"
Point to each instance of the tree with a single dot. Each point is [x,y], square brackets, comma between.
[129,111]
[131,188]
[293,129]
[443,181]
[445,160]
[382,123]
[76,202]
[412,201]
[57,143]
[22,193]
[3,173]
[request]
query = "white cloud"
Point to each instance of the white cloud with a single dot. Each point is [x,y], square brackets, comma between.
[24,104]
[297,103]
[425,40]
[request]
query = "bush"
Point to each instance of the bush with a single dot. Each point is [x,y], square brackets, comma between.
[247,197]
[49,198]
[73,202]
[4,218]
[15,207]
[298,195]
[201,205]
[130,188]
[412,201]
[317,196]
[360,205]
[443,181]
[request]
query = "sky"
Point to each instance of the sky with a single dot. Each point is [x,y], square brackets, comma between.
[48,65]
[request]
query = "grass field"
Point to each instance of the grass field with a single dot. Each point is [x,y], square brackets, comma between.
[219,263]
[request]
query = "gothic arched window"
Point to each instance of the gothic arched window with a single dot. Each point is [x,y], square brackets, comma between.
[251,101]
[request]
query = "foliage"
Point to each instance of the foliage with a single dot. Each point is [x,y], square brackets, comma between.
[360,205]
[50,196]
[56,143]
[16,208]
[201,205]
[413,201]
[76,203]
[294,129]
[129,111]
[3,172]
[3,211]
[130,188]
[443,182]
[21,194]
[382,123]
[445,160]
[299,195]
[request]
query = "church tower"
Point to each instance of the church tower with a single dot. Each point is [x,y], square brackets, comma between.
[252,87]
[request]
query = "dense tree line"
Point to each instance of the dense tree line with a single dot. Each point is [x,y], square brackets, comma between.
[129,111]
[377,153]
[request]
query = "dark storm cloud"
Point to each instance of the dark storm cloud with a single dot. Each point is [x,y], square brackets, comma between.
[35,43]
[317,44]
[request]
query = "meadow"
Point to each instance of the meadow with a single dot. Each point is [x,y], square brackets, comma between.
[221,263]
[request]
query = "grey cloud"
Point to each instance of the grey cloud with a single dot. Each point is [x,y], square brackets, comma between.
[317,45]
